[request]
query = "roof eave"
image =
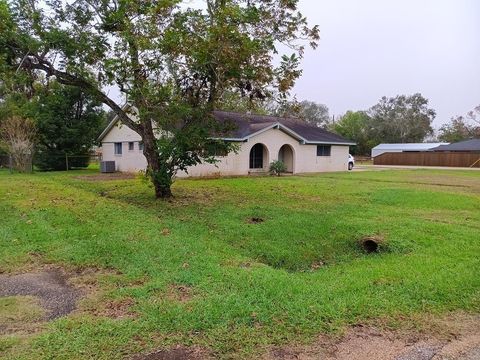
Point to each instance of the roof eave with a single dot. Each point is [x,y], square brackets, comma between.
[230,139]
[245,139]
[111,124]
[330,143]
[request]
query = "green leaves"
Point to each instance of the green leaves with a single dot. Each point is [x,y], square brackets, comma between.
[172,62]
[287,73]
[461,128]
[402,119]
[354,125]
[399,119]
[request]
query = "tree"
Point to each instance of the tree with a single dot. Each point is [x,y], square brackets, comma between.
[17,137]
[308,111]
[401,119]
[171,63]
[68,123]
[354,125]
[474,115]
[67,120]
[460,128]
[232,100]
[314,113]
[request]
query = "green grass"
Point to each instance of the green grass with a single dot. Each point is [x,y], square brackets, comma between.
[298,273]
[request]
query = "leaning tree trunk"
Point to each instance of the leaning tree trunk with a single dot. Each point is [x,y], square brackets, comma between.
[161,180]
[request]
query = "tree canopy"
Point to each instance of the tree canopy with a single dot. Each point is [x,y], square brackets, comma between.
[67,120]
[461,127]
[171,62]
[401,119]
[68,123]
[309,111]
[354,125]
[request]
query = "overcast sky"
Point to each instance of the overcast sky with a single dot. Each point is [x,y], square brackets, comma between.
[372,48]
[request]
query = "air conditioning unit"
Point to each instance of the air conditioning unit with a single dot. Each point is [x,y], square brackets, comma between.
[107,166]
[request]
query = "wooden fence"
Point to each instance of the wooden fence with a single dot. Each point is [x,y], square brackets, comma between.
[450,159]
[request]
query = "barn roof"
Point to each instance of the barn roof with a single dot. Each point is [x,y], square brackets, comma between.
[408,146]
[467,145]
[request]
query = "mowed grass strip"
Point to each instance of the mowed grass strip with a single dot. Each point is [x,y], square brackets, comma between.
[198,270]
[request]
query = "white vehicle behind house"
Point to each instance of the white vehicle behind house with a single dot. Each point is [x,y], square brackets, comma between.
[351,162]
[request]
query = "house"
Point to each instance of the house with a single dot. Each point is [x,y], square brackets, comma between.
[415,147]
[470,146]
[262,139]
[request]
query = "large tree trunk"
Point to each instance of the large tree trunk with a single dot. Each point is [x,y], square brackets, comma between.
[160,178]
[162,191]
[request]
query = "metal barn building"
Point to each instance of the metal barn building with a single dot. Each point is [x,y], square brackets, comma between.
[383,148]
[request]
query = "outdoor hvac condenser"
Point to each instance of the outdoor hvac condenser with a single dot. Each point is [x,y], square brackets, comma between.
[107,166]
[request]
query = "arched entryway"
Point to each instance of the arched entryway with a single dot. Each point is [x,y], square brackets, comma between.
[258,157]
[285,155]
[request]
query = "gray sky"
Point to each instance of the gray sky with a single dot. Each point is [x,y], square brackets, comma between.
[372,48]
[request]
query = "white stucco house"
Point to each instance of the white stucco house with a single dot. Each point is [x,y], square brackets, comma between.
[262,139]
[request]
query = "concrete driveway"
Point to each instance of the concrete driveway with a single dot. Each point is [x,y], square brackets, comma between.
[407,167]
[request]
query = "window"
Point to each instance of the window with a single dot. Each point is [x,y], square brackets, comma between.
[323,150]
[130,146]
[140,146]
[256,157]
[118,148]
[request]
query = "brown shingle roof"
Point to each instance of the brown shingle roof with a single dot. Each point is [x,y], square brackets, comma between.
[242,126]
[246,125]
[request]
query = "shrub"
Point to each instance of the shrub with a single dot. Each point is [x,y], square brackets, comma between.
[17,137]
[277,167]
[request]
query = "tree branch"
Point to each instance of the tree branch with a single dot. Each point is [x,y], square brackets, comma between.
[34,61]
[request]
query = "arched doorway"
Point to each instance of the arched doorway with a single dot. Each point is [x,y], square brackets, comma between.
[258,157]
[285,155]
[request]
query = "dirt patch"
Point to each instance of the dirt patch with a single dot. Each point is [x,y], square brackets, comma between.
[56,296]
[465,348]
[457,339]
[255,220]
[106,177]
[114,309]
[97,284]
[53,292]
[180,293]
[177,353]
[317,265]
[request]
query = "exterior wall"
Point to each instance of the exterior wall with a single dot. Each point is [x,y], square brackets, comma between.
[129,161]
[305,159]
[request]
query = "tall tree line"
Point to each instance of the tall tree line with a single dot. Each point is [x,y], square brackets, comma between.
[66,120]
[399,119]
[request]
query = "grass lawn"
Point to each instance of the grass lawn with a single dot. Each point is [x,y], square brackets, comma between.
[197,271]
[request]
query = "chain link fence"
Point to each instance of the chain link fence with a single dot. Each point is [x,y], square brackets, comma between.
[49,162]
[24,165]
